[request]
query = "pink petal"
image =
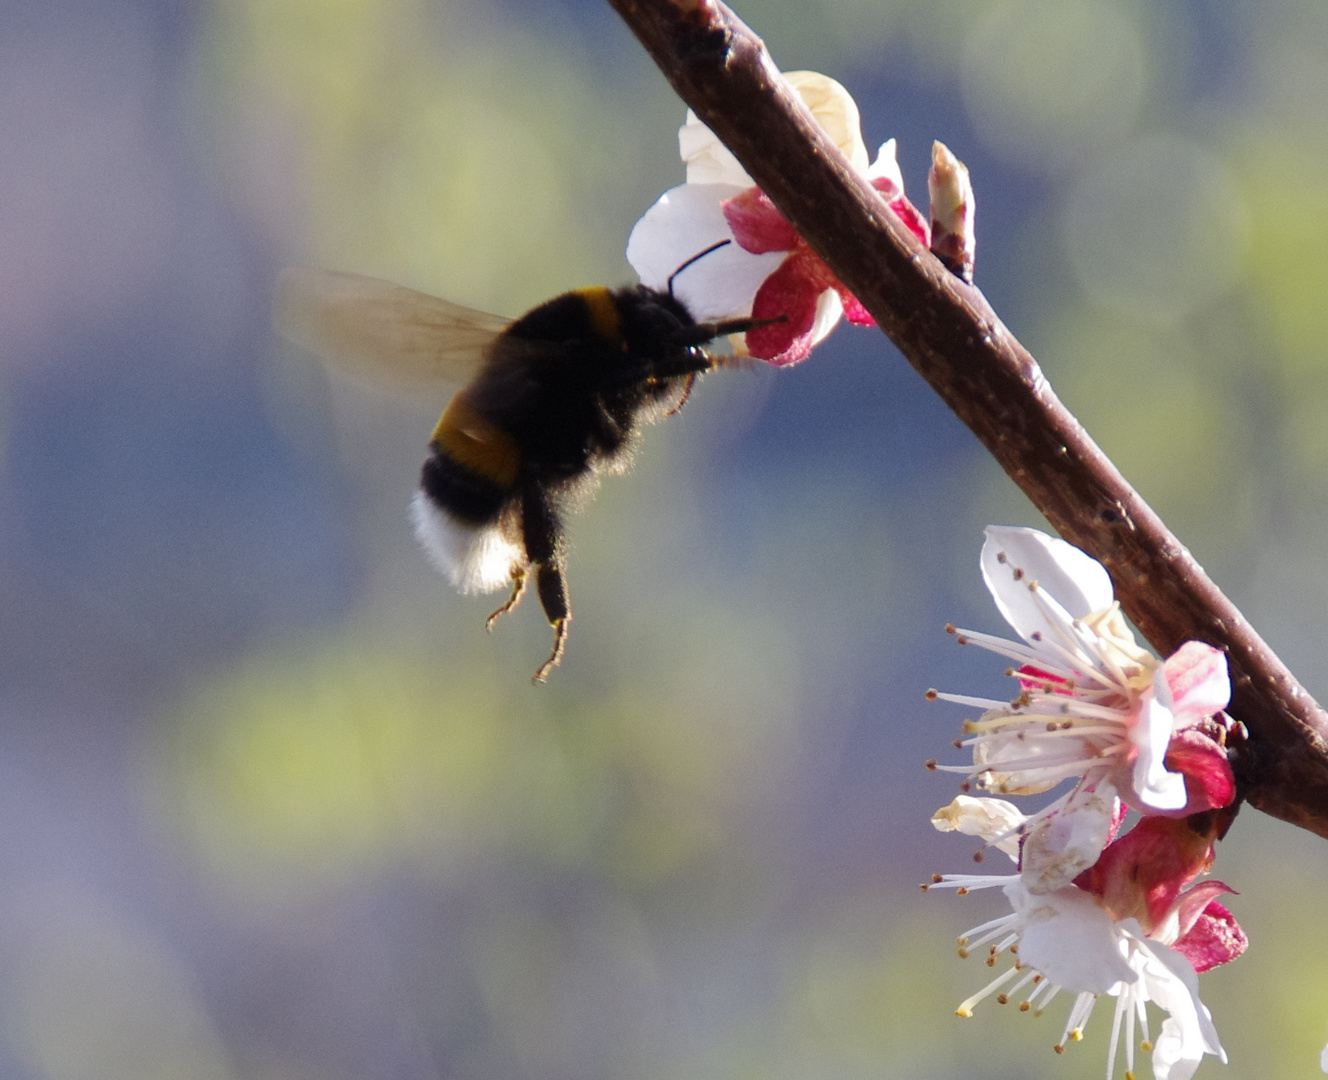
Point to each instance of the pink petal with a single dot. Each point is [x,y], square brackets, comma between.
[1209,783]
[886,178]
[1199,683]
[1214,938]
[757,225]
[791,291]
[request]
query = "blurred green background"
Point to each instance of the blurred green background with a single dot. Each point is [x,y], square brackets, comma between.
[274,806]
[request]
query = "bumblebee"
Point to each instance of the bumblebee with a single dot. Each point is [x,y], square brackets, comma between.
[550,401]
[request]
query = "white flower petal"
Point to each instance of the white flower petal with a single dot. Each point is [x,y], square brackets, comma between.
[887,165]
[983,818]
[684,222]
[836,112]
[1188,1033]
[707,159]
[1061,847]
[1069,937]
[1066,940]
[829,310]
[1155,787]
[1078,583]
[689,219]
[995,754]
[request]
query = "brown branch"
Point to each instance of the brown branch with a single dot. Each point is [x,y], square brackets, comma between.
[949,333]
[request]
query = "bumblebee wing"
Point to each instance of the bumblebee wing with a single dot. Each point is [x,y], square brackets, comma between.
[379,331]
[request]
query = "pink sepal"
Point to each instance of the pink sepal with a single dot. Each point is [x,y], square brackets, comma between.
[854,312]
[1214,937]
[791,291]
[904,210]
[794,289]
[1209,782]
[1141,874]
[757,225]
[1193,902]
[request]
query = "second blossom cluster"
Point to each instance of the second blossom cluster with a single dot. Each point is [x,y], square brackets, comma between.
[1094,910]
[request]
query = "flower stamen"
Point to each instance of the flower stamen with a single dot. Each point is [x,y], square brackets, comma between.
[965,1008]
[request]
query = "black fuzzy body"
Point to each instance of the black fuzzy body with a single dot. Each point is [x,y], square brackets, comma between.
[559,399]
[573,398]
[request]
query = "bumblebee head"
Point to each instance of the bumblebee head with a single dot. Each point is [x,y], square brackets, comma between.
[651,326]
[657,326]
[654,324]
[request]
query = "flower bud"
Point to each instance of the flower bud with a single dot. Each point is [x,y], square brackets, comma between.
[952,239]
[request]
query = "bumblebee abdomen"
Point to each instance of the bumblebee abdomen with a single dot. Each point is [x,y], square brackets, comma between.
[473,442]
[466,495]
[476,556]
[467,485]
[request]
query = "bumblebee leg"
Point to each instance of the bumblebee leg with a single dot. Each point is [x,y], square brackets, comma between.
[542,533]
[556,656]
[686,393]
[519,578]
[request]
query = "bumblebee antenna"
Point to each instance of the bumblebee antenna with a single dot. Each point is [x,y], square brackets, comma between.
[700,333]
[695,258]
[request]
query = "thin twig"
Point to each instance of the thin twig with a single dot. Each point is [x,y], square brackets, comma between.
[953,338]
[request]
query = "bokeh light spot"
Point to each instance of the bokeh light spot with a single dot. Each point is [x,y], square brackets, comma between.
[1157,229]
[1050,77]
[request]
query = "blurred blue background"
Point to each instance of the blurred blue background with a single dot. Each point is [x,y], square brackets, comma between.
[274,806]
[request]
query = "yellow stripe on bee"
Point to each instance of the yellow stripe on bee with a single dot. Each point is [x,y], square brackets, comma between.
[476,444]
[603,312]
